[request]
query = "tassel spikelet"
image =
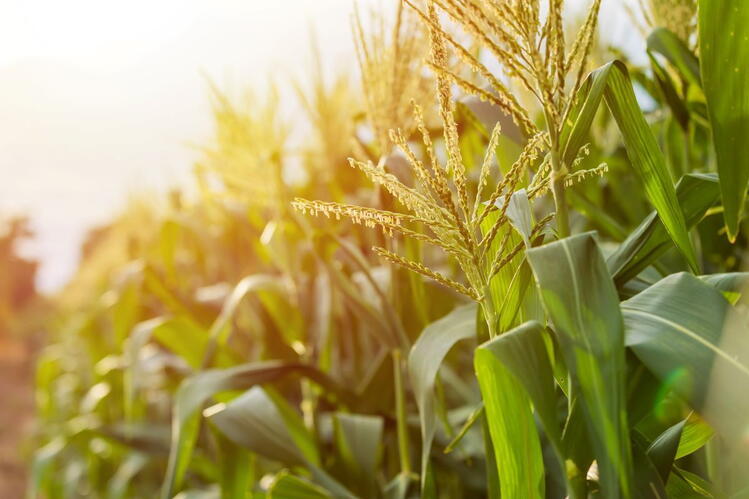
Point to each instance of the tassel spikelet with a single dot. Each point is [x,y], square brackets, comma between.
[678,16]
[244,161]
[390,64]
[527,39]
[426,271]
[581,175]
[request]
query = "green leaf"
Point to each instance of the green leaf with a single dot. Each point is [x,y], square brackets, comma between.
[424,362]
[220,328]
[696,193]
[724,52]
[676,328]
[670,46]
[695,435]
[647,481]
[514,371]
[581,300]
[729,282]
[255,421]
[678,107]
[130,467]
[42,462]
[235,468]
[680,488]
[612,82]
[662,452]
[198,389]
[358,440]
[287,486]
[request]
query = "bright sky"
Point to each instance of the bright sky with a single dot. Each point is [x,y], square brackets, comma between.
[99,98]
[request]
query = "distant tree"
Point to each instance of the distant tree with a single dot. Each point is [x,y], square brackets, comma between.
[17,273]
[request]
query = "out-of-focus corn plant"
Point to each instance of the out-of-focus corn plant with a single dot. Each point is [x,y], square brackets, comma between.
[541,312]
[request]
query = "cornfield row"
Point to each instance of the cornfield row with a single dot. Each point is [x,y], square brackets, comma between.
[499,275]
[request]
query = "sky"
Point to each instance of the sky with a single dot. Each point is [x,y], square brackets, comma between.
[100,99]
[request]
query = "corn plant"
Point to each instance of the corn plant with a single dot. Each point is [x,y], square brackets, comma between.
[550,305]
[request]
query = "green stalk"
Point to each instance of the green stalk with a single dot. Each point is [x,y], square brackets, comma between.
[400,411]
[558,174]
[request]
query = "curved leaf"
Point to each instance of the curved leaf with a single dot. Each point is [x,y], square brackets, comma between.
[198,389]
[696,193]
[358,440]
[676,328]
[514,371]
[612,82]
[255,421]
[287,486]
[670,46]
[581,300]
[424,362]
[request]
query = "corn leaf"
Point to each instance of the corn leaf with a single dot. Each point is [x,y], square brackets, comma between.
[358,438]
[612,83]
[424,362]
[724,52]
[676,328]
[255,420]
[695,435]
[514,371]
[664,42]
[696,193]
[581,300]
[662,452]
[287,486]
[198,389]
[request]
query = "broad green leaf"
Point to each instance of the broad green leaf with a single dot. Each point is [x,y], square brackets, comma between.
[670,46]
[514,371]
[680,488]
[198,389]
[508,287]
[696,193]
[662,452]
[424,362]
[581,301]
[255,421]
[676,328]
[612,82]
[724,52]
[287,486]
[731,282]
[695,435]
[696,483]
[358,440]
